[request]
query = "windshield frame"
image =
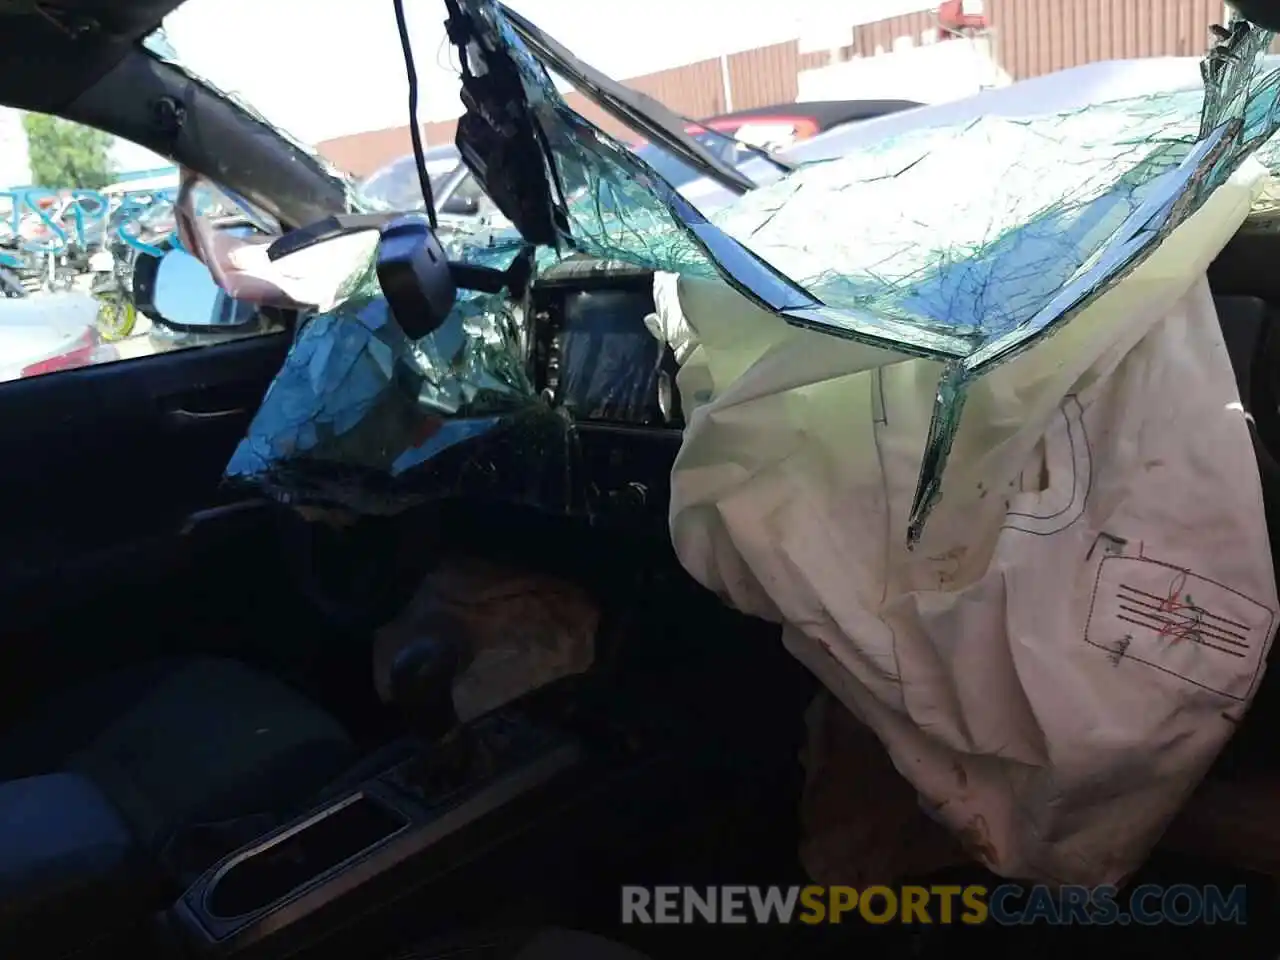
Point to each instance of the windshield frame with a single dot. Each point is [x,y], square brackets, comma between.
[638,110]
[277,173]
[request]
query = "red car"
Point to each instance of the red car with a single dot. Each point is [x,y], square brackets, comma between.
[773,128]
[793,122]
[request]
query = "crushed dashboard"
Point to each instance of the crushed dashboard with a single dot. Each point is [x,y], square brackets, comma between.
[863,249]
[998,323]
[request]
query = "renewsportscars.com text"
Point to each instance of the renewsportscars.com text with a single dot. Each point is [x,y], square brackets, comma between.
[1007,905]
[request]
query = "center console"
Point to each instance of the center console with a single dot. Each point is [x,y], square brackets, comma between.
[402,827]
[592,353]
[593,357]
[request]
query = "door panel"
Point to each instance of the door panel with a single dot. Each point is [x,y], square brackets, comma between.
[119,449]
[118,543]
[103,467]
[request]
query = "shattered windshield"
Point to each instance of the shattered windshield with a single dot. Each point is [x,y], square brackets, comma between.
[678,173]
[1053,211]
[396,186]
[1039,217]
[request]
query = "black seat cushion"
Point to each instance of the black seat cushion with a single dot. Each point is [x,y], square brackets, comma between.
[183,742]
[68,865]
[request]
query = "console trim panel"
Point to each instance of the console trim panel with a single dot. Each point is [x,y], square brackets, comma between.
[425,825]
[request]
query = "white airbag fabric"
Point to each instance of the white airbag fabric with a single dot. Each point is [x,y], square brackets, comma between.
[1087,616]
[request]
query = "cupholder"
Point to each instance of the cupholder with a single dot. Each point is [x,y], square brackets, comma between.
[269,873]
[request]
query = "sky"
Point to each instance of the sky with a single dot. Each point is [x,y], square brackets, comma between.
[325,68]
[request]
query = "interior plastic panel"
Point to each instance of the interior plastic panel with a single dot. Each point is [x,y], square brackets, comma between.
[296,884]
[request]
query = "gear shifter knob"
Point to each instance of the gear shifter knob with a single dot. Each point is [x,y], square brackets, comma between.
[421,682]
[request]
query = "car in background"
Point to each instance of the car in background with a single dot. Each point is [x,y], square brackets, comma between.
[735,138]
[741,136]
[128,206]
[57,331]
[782,125]
[396,186]
[458,197]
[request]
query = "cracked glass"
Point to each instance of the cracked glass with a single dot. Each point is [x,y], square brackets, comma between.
[965,244]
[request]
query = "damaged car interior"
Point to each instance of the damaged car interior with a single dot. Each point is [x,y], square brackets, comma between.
[632,547]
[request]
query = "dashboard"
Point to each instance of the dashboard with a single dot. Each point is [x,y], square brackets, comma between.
[589,355]
[593,355]
[593,358]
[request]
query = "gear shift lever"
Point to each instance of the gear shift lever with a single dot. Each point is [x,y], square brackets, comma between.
[421,681]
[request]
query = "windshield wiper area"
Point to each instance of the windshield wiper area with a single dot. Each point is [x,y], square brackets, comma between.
[637,110]
[786,166]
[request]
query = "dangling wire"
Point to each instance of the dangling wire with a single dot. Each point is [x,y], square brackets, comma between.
[446,59]
[415,132]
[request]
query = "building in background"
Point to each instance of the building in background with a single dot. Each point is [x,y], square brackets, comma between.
[1005,40]
[949,57]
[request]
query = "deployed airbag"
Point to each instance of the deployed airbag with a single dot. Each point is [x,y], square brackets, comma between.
[999,326]
[1089,610]
[963,244]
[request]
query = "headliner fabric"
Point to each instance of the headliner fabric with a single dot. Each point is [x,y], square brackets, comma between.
[1088,614]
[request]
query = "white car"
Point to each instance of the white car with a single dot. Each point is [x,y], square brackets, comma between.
[1064,90]
[736,138]
[458,198]
[56,331]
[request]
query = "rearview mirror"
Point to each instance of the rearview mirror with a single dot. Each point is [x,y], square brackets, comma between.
[185,297]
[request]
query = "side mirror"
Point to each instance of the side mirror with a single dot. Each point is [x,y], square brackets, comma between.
[184,296]
[461,206]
